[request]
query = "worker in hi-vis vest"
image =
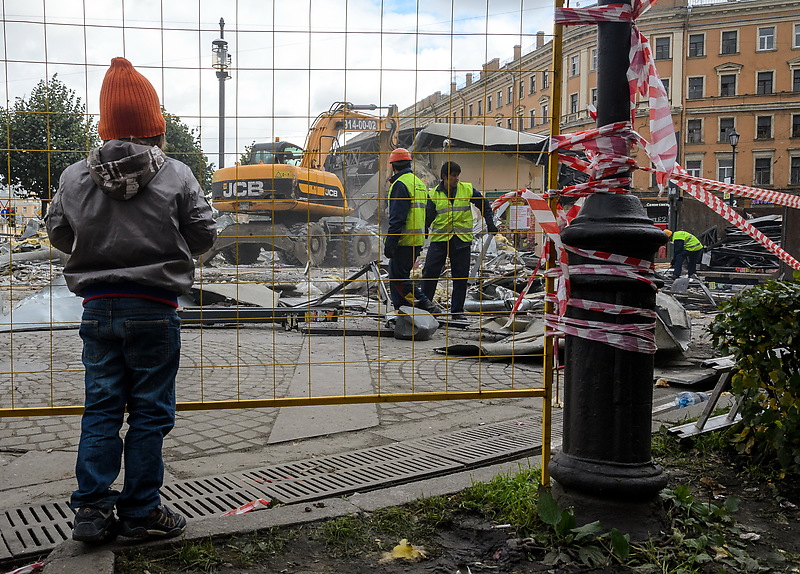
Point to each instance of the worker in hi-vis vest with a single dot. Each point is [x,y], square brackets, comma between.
[449,216]
[686,247]
[408,197]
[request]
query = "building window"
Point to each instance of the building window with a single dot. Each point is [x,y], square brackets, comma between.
[511,94]
[462,115]
[499,122]
[665,83]
[455,118]
[509,125]
[533,84]
[545,114]
[545,81]
[766,38]
[574,65]
[480,108]
[533,119]
[594,97]
[763,173]
[725,169]
[730,41]
[794,175]
[725,127]
[594,59]
[500,99]
[796,80]
[662,48]
[695,88]
[573,103]
[488,104]
[470,111]
[763,127]
[697,45]
[521,89]
[694,167]
[796,125]
[694,131]
[796,43]
[727,85]
[764,82]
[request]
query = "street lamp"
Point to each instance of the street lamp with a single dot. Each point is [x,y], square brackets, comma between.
[220,61]
[733,138]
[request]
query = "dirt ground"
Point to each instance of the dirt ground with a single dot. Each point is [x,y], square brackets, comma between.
[767,525]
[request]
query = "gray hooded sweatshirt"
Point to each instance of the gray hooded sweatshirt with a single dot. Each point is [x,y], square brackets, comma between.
[130,215]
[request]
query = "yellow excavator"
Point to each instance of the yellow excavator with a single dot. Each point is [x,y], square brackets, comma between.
[310,205]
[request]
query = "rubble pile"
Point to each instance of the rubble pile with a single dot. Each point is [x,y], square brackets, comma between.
[740,252]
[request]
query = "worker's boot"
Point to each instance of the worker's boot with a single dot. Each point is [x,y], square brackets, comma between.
[430,307]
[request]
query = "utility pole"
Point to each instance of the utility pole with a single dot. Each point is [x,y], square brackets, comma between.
[221,61]
[605,468]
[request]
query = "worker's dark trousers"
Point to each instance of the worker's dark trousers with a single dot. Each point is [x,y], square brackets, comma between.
[401,289]
[459,253]
[692,257]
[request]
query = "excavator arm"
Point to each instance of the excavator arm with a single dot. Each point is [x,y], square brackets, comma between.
[343,117]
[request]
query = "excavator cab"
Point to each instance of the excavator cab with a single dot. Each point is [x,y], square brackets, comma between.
[277,152]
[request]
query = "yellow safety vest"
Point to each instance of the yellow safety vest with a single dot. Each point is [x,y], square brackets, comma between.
[414,233]
[452,218]
[690,242]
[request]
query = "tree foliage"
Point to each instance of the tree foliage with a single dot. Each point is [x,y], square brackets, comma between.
[183,144]
[49,130]
[42,135]
[760,328]
[244,159]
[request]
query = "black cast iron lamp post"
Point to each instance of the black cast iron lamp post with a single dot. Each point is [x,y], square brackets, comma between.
[221,61]
[733,138]
[604,468]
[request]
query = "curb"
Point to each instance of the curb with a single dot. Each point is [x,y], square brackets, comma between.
[72,557]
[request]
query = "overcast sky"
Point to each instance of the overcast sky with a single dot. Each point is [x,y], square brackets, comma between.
[291,59]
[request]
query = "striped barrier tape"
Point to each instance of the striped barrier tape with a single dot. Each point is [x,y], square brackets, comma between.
[638,337]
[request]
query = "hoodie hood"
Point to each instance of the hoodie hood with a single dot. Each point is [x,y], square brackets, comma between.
[120,168]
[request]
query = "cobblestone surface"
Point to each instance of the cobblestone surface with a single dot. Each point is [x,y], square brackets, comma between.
[253,362]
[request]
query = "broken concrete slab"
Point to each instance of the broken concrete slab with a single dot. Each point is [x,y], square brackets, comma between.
[53,307]
[247,293]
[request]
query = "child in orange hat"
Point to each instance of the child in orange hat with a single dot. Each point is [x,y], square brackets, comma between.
[131,219]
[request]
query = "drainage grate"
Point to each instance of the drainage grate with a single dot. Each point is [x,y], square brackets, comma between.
[210,496]
[340,474]
[488,443]
[34,530]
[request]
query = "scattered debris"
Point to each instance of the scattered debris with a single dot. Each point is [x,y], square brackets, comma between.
[249,507]
[740,252]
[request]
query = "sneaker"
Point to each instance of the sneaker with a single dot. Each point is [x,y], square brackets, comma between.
[94,524]
[160,523]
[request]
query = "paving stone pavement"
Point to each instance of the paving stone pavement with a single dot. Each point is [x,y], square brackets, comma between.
[40,368]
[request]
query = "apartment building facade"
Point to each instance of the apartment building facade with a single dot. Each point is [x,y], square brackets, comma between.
[727,66]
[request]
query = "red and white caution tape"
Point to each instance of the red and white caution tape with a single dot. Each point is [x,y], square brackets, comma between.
[249,507]
[35,567]
[638,337]
[698,190]
[771,196]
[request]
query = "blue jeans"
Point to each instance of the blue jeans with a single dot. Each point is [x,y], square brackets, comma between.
[131,351]
[692,257]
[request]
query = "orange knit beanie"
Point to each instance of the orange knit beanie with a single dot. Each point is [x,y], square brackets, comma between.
[129,106]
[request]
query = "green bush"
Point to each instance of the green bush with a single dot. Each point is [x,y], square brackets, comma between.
[760,327]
